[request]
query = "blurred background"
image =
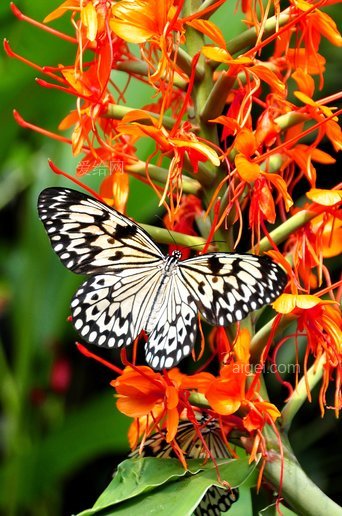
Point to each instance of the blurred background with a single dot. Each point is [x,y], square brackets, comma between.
[60,433]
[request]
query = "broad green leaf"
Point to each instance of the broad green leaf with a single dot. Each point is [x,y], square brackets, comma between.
[244,503]
[137,480]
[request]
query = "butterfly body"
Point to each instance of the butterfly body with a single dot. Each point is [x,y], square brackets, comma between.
[133,286]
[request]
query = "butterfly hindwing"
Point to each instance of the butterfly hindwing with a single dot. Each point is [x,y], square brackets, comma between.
[216,500]
[90,237]
[111,310]
[227,286]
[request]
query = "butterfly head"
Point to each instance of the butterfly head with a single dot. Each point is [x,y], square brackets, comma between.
[177,255]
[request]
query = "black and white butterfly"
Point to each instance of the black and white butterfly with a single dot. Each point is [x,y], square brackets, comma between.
[216,499]
[133,286]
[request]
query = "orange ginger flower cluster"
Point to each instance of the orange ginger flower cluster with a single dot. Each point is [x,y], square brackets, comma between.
[233,134]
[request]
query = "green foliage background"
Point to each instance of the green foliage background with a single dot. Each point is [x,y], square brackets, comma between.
[59,449]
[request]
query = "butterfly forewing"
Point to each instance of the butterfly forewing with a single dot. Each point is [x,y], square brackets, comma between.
[227,286]
[89,237]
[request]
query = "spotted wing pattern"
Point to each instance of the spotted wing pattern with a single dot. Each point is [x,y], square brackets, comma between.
[227,286]
[89,237]
[111,310]
[216,499]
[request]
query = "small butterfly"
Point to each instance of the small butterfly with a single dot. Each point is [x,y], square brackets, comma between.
[133,286]
[216,499]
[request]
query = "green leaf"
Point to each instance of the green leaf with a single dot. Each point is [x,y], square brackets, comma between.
[137,480]
[244,504]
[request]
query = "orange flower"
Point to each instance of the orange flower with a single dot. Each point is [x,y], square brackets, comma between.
[89,83]
[227,393]
[261,184]
[156,400]
[180,141]
[237,111]
[90,88]
[258,72]
[260,414]
[315,106]
[311,28]
[177,145]
[250,172]
[230,391]
[325,197]
[219,343]
[320,320]
[68,5]
[318,239]
[90,18]
[114,189]
[198,382]
[151,23]
[303,155]
[138,21]
[142,392]
[313,63]
[305,82]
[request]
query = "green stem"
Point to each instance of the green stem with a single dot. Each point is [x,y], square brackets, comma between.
[165,236]
[184,61]
[263,389]
[217,98]
[159,174]
[118,112]
[296,487]
[204,176]
[249,37]
[141,68]
[199,400]
[300,394]
[286,475]
[287,228]
[260,338]
[133,67]
[202,88]
[290,119]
